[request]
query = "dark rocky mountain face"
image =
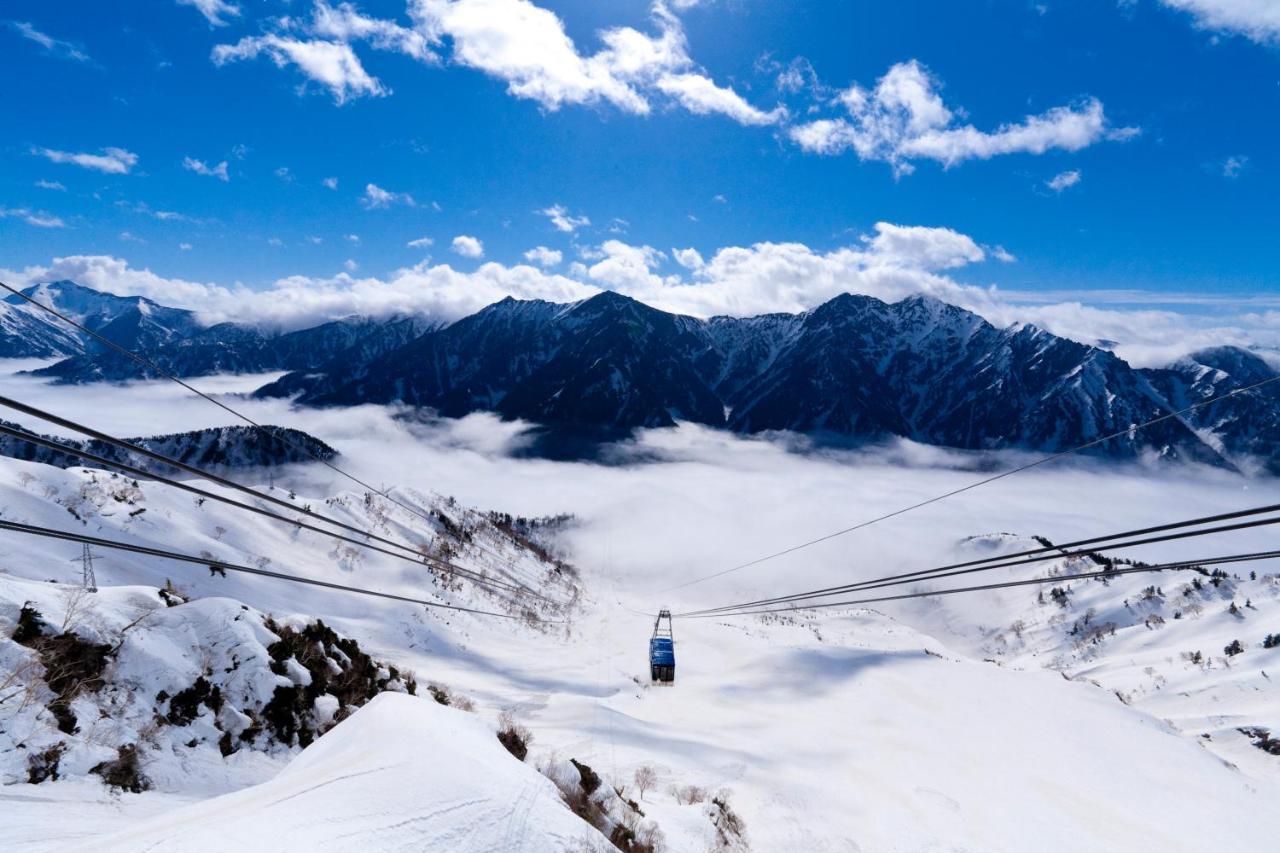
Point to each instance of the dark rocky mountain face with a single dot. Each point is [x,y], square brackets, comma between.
[1246,425]
[852,369]
[218,447]
[608,361]
[232,348]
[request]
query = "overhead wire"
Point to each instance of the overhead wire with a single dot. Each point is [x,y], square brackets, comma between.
[1031,556]
[123,467]
[974,485]
[1105,573]
[70,536]
[131,447]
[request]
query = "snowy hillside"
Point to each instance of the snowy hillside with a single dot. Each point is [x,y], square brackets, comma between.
[1165,643]
[217,447]
[780,734]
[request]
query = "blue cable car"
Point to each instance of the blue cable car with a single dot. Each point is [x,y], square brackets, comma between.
[662,650]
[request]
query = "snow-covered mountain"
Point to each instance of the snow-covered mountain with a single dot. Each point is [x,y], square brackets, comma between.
[232,348]
[216,447]
[134,322]
[854,368]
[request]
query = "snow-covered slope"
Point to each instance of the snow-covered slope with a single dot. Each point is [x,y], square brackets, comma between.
[448,782]
[1162,643]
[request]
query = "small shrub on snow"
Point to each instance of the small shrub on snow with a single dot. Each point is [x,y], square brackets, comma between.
[125,772]
[72,665]
[1271,641]
[43,765]
[515,737]
[1234,648]
[645,777]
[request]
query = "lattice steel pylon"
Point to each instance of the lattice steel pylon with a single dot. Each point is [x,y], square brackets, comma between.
[86,569]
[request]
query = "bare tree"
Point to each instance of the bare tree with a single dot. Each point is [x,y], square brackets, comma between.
[646,777]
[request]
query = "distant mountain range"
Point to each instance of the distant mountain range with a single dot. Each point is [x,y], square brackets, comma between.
[216,447]
[852,369]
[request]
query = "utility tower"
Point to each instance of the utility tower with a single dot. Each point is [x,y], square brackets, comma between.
[86,569]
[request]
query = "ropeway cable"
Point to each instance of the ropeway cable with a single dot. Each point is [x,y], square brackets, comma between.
[976,484]
[123,467]
[1028,557]
[36,530]
[1106,573]
[231,484]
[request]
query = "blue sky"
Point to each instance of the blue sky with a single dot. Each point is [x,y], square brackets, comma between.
[740,125]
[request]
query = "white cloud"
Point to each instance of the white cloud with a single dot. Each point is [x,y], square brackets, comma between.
[54,47]
[891,263]
[1003,255]
[904,119]
[283,173]
[344,23]
[214,11]
[526,46]
[353,238]
[331,183]
[701,96]
[467,246]
[1257,19]
[544,257]
[38,218]
[200,167]
[563,220]
[421,243]
[314,240]
[1233,166]
[375,197]
[51,185]
[185,247]
[1063,180]
[331,64]
[112,161]
[350,265]
[690,259]
[130,237]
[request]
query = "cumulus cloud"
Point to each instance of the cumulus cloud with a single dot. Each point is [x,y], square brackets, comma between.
[330,183]
[215,11]
[343,23]
[1063,180]
[38,218]
[112,161]
[544,257]
[200,167]
[375,197]
[904,119]
[333,65]
[563,220]
[467,246]
[420,243]
[690,259]
[52,46]
[526,46]
[1256,19]
[891,263]
[700,95]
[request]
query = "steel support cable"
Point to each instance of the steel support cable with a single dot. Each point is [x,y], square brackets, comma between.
[160,371]
[1023,558]
[47,532]
[123,467]
[1163,567]
[976,484]
[231,484]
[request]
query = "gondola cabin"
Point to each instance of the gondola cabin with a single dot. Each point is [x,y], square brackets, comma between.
[662,650]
